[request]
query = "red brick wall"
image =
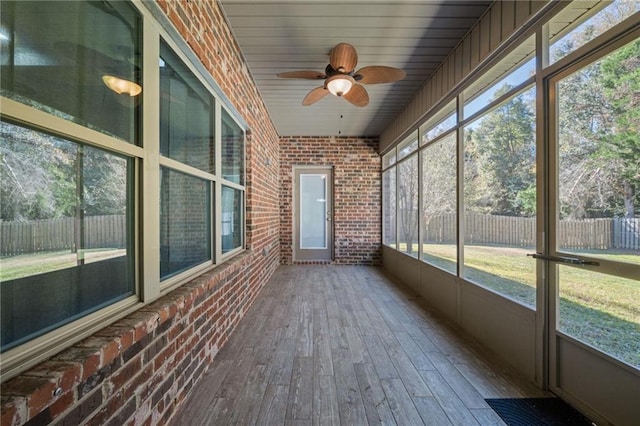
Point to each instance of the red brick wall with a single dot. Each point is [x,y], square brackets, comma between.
[357,207]
[139,369]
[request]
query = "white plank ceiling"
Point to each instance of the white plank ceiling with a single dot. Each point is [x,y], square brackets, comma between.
[287,35]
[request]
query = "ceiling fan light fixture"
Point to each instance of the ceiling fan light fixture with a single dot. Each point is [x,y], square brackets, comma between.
[120,85]
[340,77]
[339,85]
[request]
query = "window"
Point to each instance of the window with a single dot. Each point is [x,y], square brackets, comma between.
[185,222]
[187,135]
[67,207]
[438,170]
[231,219]
[52,59]
[232,150]
[581,22]
[441,122]
[389,207]
[187,129]
[500,198]
[439,214]
[408,205]
[512,71]
[232,172]
[87,195]
[479,181]
[599,158]
[389,159]
[498,184]
[66,231]
[409,145]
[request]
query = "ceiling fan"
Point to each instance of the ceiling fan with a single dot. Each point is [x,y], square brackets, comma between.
[341,79]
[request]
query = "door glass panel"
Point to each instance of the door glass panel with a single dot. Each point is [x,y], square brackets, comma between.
[313,211]
[601,310]
[599,157]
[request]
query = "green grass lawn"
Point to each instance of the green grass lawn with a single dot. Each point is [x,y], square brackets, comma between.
[25,265]
[601,310]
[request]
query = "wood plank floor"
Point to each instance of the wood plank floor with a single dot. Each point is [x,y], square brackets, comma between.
[344,345]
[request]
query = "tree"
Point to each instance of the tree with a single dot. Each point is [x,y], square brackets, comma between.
[408,201]
[41,177]
[598,124]
[621,143]
[439,181]
[599,142]
[502,144]
[584,186]
[26,191]
[105,183]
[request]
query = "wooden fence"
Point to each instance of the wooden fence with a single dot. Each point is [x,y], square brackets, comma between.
[110,232]
[626,233]
[599,234]
[60,234]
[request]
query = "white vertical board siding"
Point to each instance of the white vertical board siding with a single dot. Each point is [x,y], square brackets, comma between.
[491,30]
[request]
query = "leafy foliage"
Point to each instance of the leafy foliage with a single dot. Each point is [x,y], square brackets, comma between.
[408,201]
[46,177]
[621,146]
[500,158]
[599,114]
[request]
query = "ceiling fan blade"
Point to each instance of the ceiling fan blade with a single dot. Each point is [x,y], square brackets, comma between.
[309,75]
[315,95]
[343,58]
[379,74]
[357,96]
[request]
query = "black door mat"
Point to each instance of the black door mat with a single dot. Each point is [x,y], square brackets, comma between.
[537,412]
